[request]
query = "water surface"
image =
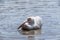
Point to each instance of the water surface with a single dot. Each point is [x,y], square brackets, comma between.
[14,12]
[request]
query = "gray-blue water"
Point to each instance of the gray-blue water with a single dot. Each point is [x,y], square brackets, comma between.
[14,12]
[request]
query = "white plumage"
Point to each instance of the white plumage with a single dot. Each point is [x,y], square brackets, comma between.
[33,22]
[37,22]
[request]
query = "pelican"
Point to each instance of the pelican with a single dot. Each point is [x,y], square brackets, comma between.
[31,23]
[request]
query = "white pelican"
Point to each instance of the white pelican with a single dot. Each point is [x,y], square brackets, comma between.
[32,23]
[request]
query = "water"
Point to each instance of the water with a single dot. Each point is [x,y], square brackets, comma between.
[14,12]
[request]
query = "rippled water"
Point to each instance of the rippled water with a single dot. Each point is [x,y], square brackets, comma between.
[14,12]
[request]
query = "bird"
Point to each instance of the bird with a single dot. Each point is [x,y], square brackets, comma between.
[31,23]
